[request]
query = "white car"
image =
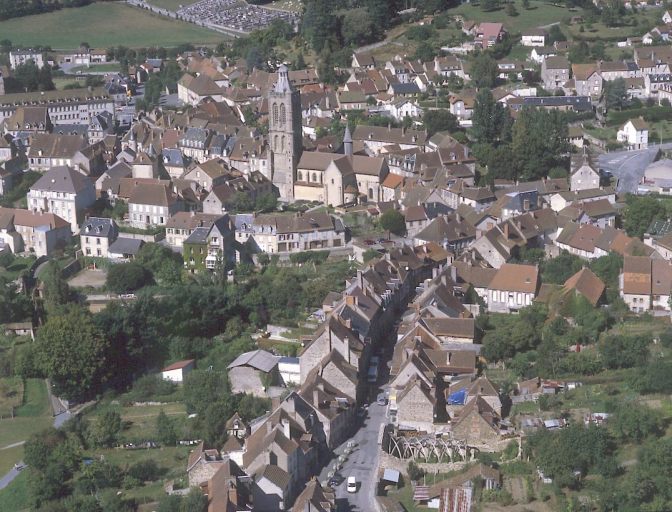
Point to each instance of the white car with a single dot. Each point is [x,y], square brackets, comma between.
[352,484]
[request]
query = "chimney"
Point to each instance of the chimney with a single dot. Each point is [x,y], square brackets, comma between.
[285,428]
[506,230]
[269,427]
[350,300]
[316,397]
[453,274]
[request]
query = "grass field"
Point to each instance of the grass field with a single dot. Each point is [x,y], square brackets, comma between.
[15,497]
[141,421]
[35,400]
[61,82]
[11,395]
[97,68]
[33,416]
[171,5]
[539,14]
[103,25]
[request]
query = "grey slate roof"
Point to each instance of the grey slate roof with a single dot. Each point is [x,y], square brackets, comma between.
[126,246]
[198,236]
[257,359]
[62,179]
[99,226]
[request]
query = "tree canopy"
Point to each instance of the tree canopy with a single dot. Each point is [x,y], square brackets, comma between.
[70,350]
[393,221]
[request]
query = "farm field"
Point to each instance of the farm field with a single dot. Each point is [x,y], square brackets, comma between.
[99,24]
[539,14]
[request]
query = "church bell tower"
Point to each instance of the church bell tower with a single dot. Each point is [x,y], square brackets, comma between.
[284,133]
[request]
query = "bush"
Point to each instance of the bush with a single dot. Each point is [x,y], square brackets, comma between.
[150,387]
[127,277]
[316,257]
[654,378]
[6,259]
[414,471]
[144,471]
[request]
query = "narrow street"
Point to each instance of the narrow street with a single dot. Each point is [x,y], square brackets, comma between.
[362,464]
[362,461]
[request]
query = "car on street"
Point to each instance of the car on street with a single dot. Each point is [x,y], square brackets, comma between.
[352,484]
[381,400]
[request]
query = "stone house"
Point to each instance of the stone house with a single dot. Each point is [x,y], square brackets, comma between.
[634,133]
[49,150]
[477,423]
[645,284]
[584,177]
[512,288]
[287,234]
[64,192]
[416,406]
[587,80]
[96,235]
[38,233]
[151,204]
[334,335]
[554,72]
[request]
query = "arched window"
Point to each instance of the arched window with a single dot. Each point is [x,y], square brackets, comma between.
[299,176]
[275,143]
[283,114]
[370,193]
[282,148]
[275,113]
[314,177]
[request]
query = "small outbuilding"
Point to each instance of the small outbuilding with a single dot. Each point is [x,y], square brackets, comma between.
[176,372]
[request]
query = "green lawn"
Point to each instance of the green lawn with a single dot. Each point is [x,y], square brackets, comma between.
[11,394]
[33,416]
[35,400]
[97,68]
[141,421]
[103,25]
[15,497]
[61,82]
[171,5]
[540,13]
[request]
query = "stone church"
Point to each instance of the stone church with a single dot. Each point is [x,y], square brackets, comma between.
[284,134]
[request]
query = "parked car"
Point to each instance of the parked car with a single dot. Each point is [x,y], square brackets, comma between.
[352,484]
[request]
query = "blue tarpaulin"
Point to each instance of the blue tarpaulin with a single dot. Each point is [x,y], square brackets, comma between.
[458,398]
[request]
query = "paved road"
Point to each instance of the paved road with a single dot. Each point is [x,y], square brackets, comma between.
[362,463]
[629,166]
